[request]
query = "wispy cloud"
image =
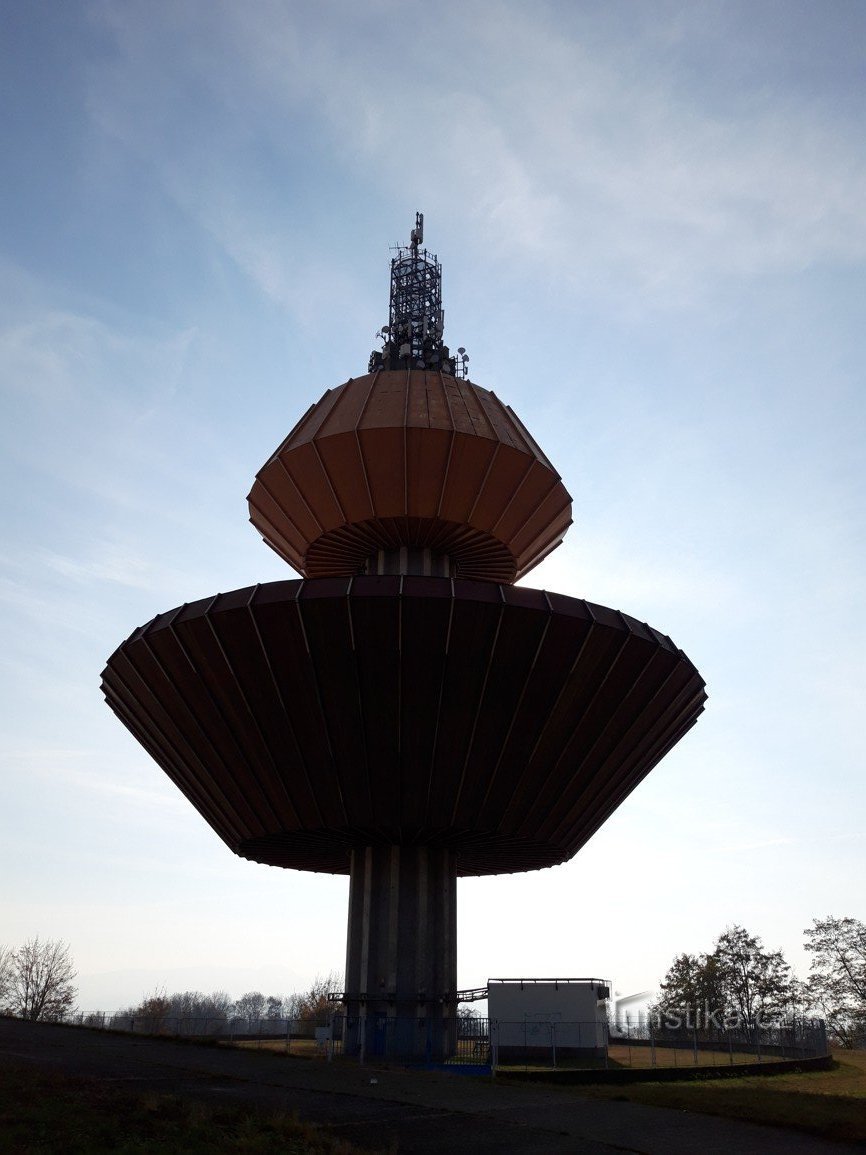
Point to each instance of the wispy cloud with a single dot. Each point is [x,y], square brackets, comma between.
[111,562]
[70,766]
[570,152]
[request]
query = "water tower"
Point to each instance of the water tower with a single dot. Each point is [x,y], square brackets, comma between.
[404,713]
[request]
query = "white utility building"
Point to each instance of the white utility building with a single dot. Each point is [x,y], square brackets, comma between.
[544,1018]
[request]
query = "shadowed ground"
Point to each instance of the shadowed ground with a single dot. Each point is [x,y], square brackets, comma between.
[403,1111]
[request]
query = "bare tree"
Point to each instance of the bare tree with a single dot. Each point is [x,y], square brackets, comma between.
[274,1008]
[6,956]
[837,981]
[41,982]
[250,1006]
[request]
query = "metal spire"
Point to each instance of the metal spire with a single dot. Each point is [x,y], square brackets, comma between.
[412,339]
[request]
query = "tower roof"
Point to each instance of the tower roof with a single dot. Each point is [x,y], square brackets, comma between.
[410,458]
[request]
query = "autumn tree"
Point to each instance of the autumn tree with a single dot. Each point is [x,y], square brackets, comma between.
[837,978]
[315,1004]
[40,980]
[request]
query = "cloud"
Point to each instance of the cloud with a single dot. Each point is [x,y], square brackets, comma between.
[557,144]
[63,766]
[113,562]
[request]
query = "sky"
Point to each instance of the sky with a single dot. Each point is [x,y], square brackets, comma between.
[652,224]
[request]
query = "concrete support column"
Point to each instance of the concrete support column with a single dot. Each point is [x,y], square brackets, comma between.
[401,958]
[410,560]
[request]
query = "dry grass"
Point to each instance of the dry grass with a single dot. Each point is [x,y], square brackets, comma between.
[41,1112]
[827,1103]
[625,1056]
[298,1048]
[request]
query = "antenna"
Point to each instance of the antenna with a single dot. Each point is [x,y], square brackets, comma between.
[413,337]
[416,237]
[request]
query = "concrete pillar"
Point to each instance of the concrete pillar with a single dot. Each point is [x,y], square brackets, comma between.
[401,958]
[411,560]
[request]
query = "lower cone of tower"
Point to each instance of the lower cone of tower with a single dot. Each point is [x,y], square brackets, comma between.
[404,730]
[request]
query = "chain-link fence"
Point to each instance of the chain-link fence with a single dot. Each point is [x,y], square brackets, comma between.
[648,1045]
[480,1043]
[299,1036]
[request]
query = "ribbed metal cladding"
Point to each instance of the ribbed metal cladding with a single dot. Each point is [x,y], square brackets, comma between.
[305,719]
[410,458]
[401,951]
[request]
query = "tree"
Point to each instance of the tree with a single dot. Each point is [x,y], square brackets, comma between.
[737,983]
[40,980]
[196,1005]
[5,978]
[150,1015]
[315,1005]
[274,1007]
[757,983]
[250,1006]
[691,995]
[837,978]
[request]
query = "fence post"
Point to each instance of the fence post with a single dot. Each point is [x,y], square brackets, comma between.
[652,1046]
[696,1045]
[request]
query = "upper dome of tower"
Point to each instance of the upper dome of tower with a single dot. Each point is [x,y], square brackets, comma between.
[411,456]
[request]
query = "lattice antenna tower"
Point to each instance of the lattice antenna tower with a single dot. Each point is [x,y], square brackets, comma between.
[413,337]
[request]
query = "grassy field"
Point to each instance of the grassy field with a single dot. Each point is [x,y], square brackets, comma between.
[52,1113]
[827,1103]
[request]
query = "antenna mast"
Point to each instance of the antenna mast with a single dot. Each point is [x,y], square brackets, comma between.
[412,339]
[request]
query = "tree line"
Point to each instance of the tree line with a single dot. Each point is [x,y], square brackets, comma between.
[312,1005]
[737,983]
[741,984]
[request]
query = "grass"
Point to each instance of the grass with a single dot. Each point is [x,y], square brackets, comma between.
[298,1048]
[43,1112]
[831,1104]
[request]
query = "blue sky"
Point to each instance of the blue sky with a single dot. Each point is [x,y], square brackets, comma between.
[651,221]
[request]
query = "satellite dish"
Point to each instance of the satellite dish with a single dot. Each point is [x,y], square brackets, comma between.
[461,350]
[386,328]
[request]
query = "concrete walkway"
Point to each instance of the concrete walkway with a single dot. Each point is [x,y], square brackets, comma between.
[404,1111]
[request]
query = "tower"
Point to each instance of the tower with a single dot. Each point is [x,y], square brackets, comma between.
[404,713]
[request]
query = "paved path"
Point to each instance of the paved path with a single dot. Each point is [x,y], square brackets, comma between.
[420,1113]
